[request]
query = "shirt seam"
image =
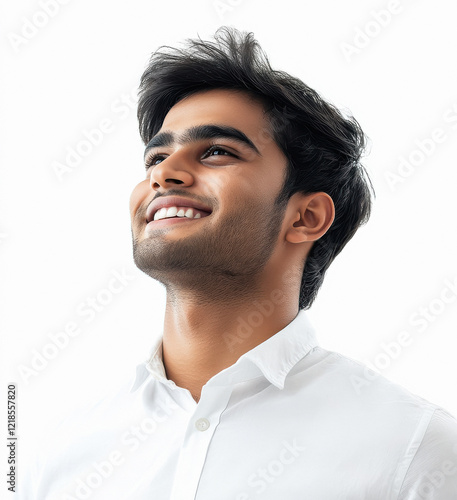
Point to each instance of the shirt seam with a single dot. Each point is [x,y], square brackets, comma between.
[397,471]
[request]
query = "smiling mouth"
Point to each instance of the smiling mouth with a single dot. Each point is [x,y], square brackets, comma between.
[169,216]
[177,212]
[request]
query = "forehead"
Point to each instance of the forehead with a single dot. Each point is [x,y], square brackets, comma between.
[226,107]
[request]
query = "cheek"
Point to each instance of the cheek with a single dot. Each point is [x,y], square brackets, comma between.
[240,193]
[139,193]
[231,190]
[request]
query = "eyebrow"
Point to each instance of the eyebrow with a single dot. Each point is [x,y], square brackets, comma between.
[198,133]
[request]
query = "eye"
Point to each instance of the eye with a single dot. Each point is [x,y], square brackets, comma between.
[217,151]
[153,160]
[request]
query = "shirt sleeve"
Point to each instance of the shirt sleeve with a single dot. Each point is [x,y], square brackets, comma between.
[432,474]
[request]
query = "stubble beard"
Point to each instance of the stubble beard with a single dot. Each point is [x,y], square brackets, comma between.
[216,264]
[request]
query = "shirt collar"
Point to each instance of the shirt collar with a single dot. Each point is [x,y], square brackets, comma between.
[153,366]
[275,357]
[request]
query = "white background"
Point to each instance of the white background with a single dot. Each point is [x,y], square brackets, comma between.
[62,239]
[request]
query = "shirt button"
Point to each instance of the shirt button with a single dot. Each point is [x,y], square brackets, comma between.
[202,424]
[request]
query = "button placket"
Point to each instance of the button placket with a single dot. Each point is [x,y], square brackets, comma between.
[202,425]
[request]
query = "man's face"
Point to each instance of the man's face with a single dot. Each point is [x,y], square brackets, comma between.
[215,153]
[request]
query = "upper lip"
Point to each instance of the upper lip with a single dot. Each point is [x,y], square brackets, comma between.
[173,201]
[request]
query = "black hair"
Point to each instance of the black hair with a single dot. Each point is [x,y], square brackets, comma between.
[323,148]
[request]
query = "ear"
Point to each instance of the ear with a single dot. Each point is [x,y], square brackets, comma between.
[312,215]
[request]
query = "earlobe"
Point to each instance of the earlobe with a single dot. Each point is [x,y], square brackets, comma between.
[313,214]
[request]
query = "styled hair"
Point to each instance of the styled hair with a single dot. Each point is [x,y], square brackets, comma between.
[323,148]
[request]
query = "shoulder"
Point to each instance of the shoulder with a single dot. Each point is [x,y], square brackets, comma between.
[363,399]
[75,440]
[421,435]
[433,469]
[95,416]
[356,383]
[415,439]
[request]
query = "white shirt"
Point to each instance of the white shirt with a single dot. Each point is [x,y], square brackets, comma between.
[289,420]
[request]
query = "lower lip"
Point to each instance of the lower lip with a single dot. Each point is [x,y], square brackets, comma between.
[155,224]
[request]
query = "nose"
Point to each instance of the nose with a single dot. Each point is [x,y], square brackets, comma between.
[173,170]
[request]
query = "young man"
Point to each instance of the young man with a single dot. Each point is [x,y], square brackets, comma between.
[253,185]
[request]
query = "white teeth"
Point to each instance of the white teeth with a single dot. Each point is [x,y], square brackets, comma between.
[160,214]
[165,212]
[172,211]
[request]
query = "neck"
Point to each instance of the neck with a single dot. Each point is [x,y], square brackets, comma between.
[202,338]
